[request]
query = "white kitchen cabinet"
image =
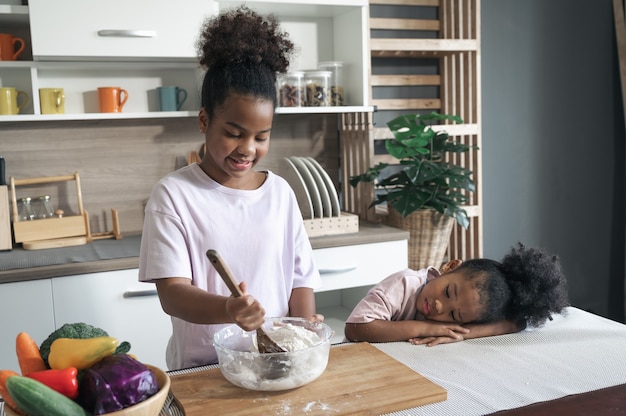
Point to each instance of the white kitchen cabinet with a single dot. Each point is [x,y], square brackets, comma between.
[85,30]
[68,53]
[24,307]
[117,302]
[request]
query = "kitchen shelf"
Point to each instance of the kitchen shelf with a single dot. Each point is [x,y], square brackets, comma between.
[98,116]
[10,13]
[324,110]
[168,114]
[323,30]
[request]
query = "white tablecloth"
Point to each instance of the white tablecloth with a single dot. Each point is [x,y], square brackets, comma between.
[574,354]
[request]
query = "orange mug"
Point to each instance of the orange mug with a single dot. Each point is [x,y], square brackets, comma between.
[8,43]
[112,99]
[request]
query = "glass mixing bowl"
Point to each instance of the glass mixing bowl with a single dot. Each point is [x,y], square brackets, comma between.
[242,364]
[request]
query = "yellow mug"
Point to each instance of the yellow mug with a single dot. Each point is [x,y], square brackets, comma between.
[9,98]
[111,99]
[52,100]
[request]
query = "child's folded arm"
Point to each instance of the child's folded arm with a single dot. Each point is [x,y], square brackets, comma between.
[493,328]
[380,330]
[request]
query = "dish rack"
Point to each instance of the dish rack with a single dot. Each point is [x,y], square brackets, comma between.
[60,230]
[317,198]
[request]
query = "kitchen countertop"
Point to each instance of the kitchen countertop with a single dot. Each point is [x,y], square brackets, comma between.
[109,254]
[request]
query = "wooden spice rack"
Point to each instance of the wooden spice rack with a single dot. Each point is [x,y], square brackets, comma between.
[59,231]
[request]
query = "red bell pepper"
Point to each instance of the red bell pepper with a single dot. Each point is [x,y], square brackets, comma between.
[63,381]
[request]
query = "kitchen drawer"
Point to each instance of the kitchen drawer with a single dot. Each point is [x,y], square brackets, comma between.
[360,264]
[116,28]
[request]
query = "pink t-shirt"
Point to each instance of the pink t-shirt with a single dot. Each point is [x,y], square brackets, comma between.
[394,298]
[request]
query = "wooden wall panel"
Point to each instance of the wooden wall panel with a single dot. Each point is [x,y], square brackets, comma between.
[119,161]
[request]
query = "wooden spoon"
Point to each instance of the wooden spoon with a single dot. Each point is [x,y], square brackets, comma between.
[264,342]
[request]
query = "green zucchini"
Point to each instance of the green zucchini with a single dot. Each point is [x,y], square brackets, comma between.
[37,399]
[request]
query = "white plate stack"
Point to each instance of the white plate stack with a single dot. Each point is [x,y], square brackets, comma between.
[317,197]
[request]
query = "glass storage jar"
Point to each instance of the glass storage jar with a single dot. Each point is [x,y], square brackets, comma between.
[337,91]
[317,88]
[44,208]
[291,90]
[25,209]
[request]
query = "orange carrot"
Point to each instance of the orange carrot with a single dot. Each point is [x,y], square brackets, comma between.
[28,355]
[4,375]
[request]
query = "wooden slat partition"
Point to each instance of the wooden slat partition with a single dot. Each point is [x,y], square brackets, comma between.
[357,155]
[433,3]
[433,104]
[408,48]
[404,24]
[404,80]
[457,49]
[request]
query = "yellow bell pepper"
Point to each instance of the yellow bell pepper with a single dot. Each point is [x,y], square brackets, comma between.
[80,353]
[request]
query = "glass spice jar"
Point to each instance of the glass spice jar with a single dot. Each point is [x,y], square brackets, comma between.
[337,94]
[25,209]
[291,90]
[44,208]
[317,88]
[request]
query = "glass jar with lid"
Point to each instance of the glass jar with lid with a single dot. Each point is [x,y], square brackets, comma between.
[317,88]
[337,91]
[43,208]
[291,90]
[25,209]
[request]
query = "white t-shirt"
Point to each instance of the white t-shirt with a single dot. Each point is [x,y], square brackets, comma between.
[394,298]
[259,234]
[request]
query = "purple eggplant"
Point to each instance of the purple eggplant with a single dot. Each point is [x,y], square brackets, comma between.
[114,383]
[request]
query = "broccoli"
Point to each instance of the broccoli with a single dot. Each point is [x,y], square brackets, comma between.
[79,330]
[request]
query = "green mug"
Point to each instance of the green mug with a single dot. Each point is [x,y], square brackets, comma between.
[171,98]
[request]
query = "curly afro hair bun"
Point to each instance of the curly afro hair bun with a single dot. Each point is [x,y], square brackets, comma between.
[242,52]
[537,284]
[241,35]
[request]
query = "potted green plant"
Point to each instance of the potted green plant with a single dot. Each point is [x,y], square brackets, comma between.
[423,189]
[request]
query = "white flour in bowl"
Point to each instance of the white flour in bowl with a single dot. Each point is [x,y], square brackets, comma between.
[292,337]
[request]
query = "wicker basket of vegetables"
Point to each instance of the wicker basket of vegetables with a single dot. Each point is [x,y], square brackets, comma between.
[81,370]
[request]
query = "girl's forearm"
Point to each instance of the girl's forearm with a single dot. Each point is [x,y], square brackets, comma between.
[385,331]
[192,304]
[302,303]
[492,329]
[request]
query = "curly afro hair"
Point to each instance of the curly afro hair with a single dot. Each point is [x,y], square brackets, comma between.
[242,53]
[537,284]
[526,287]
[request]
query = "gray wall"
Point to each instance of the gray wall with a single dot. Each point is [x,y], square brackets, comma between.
[553,141]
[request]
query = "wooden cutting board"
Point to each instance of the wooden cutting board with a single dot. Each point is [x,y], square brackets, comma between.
[360,379]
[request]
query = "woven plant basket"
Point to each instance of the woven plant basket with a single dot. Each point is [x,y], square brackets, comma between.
[429,235]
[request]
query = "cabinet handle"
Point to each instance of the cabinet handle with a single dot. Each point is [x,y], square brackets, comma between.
[338,270]
[127,33]
[139,293]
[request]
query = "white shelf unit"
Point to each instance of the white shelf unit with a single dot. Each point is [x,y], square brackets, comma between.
[323,30]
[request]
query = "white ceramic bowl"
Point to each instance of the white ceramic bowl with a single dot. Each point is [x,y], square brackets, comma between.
[244,366]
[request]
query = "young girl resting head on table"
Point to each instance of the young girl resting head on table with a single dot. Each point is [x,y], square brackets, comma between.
[470,299]
[250,217]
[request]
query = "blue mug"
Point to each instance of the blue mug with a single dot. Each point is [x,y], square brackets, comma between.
[171,98]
